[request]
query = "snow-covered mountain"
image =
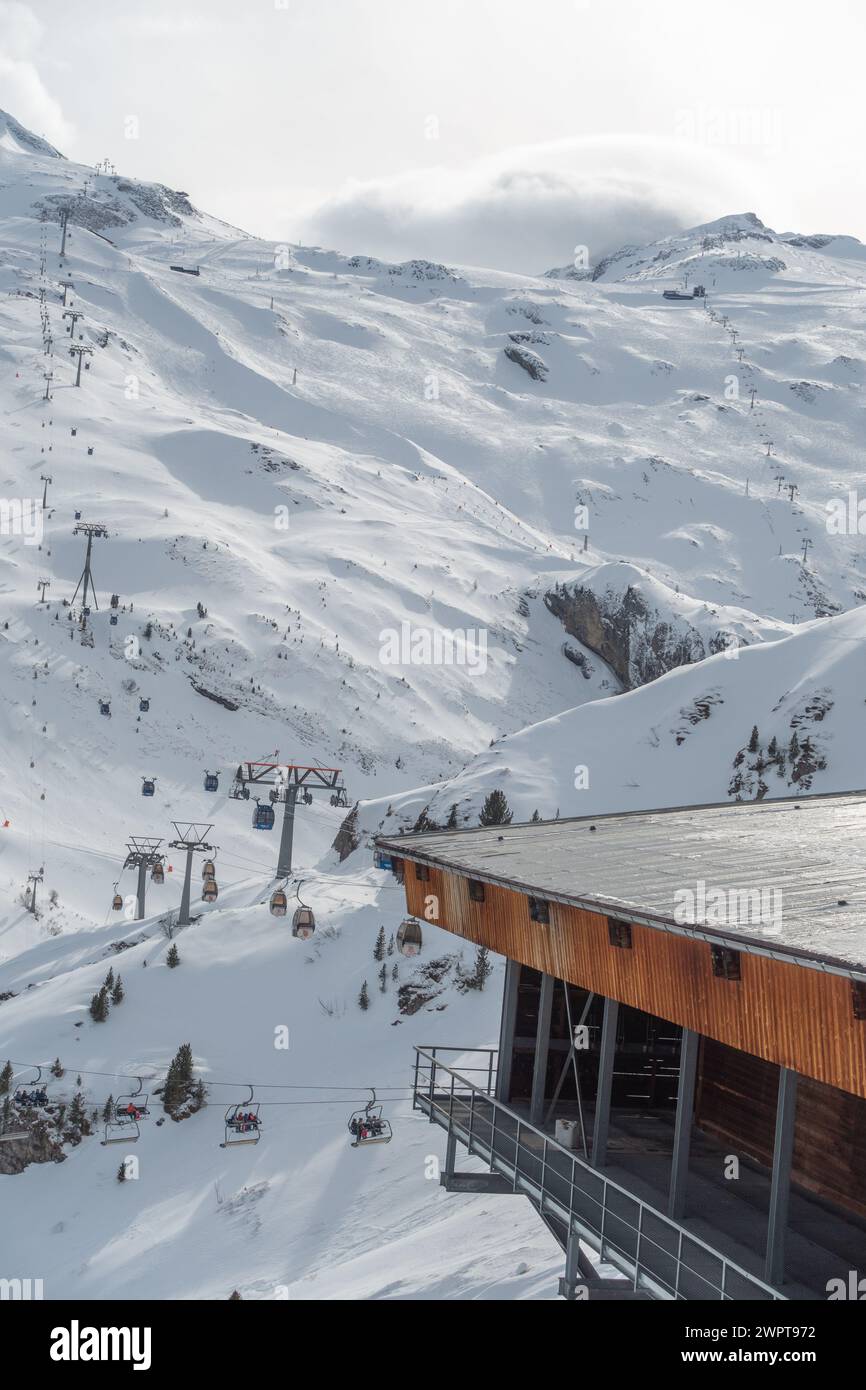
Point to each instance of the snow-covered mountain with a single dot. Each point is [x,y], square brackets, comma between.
[310,465]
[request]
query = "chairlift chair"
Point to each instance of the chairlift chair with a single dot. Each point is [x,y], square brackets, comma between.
[209,890]
[409,937]
[134,1104]
[368,1126]
[8,1136]
[263,817]
[242,1124]
[33,1094]
[121,1131]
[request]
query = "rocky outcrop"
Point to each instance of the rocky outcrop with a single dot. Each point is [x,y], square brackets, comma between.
[635,640]
[39,1144]
[527,359]
[347,838]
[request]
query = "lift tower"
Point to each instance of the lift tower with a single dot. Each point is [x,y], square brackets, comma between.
[190,837]
[288,781]
[142,853]
[79,352]
[88,529]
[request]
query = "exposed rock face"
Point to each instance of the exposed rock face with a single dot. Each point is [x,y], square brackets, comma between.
[637,641]
[40,1145]
[527,359]
[347,838]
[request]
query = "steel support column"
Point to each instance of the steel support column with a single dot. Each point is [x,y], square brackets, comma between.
[783,1150]
[284,863]
[683,1125]
[183,919]
[601,1123]
[506,1029]
[542,1046]
[142,884]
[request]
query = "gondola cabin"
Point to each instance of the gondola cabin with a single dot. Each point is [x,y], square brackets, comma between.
[383,860]
[209,891]
[208,869]
[279,905]
[144,705]
[148,786]
[211,782]
[116,903]
[113,619]
[105,708]
[157,874]
[409,938]
[303,923]
[263,817]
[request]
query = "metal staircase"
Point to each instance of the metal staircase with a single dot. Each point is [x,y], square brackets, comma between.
[640,1252]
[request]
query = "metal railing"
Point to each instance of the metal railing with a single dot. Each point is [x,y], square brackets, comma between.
[657,1254]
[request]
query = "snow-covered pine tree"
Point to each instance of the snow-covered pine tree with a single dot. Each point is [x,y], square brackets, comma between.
[379,948]
[495,810]
[364,997]
[99,1006]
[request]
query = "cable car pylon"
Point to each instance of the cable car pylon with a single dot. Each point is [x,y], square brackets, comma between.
[191,836]
[288,783]
[142,853]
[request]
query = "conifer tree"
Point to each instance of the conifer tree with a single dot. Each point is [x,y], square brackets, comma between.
[173,958]
[535,818]
[77,1113]
[383,978]
[395,973]
[108,1110]
[495,810]
[364,998]
[482,966]
[391,944]
[6,1078]
[753,739]
[121,1173]
[57,1068]
[379,948]
[178,1081]
[108,982]
[117,994]
[99,1006]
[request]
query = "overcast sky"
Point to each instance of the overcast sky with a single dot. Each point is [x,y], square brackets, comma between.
[490,132]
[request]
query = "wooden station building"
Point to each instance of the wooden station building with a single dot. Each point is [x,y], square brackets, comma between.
[680,1079]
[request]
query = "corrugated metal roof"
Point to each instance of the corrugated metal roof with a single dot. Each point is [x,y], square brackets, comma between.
[786,878]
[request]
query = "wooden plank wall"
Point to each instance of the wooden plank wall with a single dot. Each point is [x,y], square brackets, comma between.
[736,1103]
[787,1014]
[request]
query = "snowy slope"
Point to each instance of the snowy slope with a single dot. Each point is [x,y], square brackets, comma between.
[320,449]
